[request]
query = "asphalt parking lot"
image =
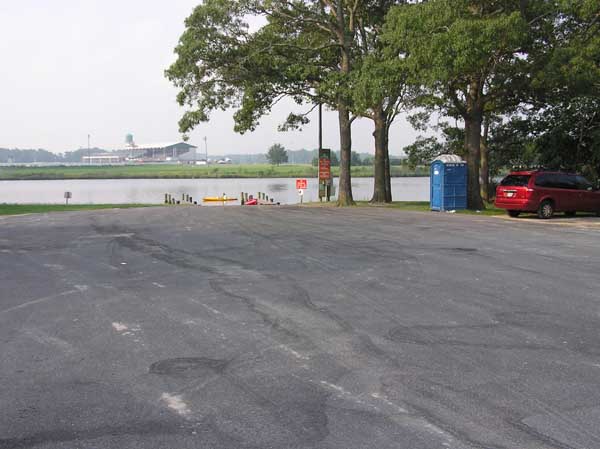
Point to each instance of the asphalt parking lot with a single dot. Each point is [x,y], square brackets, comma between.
[227,328]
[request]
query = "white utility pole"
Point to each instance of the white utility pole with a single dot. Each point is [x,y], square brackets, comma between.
[206,148]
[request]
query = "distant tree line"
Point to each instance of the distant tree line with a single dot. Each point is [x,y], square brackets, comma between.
[17,156]
[277,154]
[507,81]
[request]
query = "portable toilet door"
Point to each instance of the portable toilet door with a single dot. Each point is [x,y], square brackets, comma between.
[436,179]
[448,183]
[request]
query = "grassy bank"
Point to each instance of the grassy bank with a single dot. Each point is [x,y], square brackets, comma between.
[186,171]
[20,209]
[416,206]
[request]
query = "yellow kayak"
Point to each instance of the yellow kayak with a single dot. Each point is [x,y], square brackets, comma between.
[215,199]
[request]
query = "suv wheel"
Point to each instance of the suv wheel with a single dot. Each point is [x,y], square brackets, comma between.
[546,210]
[570,213]
[514,213]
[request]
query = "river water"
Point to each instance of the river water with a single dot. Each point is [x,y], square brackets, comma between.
[151,191]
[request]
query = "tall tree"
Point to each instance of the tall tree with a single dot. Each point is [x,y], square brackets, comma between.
[361,82]
[334,24]
[378,89]
[277,155]
[471,57]
[304,51]
[379,93]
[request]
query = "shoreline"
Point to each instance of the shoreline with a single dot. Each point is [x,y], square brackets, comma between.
[248,171]
[185,177]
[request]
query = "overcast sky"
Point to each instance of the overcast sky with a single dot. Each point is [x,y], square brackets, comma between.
[76,67]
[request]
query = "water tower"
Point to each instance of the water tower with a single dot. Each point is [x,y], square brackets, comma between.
[130,143]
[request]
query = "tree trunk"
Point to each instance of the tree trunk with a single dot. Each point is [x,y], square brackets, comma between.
[379,163]
[388,175]
[473,119]
[345,185]
[485,170]
[473,142]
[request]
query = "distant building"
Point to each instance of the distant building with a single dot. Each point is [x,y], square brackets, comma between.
[158,152]
[103,159]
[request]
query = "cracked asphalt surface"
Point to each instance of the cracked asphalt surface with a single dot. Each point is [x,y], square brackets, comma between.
[228,328]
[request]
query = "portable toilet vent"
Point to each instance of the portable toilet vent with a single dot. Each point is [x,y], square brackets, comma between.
[448,183]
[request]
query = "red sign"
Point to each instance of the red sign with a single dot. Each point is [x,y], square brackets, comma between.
[301,184]
[324,168]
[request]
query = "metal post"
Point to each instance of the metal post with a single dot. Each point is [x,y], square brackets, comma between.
[320,126]
[206,148]
[89,152]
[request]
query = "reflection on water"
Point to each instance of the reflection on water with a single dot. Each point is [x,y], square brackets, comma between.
[152,191]
[279,187]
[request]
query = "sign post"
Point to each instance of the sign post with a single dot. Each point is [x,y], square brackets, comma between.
[301,186]
[324,174]
[68,195]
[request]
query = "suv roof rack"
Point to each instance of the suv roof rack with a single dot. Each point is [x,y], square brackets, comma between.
[528,168]
[542,168]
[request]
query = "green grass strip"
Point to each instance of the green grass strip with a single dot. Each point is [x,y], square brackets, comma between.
[149,171]
[20,209]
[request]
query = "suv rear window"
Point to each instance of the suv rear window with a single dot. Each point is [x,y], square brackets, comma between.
[516,181]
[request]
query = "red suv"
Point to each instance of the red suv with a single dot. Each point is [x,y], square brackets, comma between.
[546,192]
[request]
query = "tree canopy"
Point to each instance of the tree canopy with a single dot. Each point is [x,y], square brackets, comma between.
[471,57]
[277,155]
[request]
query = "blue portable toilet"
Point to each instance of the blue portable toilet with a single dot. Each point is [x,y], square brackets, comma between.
[448,183]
